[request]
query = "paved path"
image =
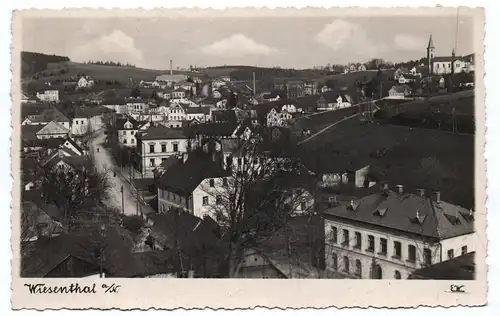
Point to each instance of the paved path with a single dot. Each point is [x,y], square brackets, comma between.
[327,128]
[104,161]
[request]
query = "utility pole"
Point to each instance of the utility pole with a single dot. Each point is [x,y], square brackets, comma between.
[123,201]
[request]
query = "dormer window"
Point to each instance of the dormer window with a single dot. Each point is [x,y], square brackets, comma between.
[418,218]
[380,212]
[353,205]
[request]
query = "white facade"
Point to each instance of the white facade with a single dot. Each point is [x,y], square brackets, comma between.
[445,67]
[394,263]
[80,126]
[154,152]
[203,201]
[85,82]
[275,118]
[49,96]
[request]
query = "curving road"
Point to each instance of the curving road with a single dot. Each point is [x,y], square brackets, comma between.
[104,161]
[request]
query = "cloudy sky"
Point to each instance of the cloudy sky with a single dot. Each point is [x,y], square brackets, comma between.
[297,42]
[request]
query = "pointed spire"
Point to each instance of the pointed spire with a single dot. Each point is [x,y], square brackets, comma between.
[453,52]
[431,43]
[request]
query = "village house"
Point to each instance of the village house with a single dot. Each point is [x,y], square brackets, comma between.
[85,82]
[334,101]
[52,129]
[137,105]
[269,96]
[361,67]
[179,93]
[408,78]
[127,129]
[200,114]
[195,185]
[170,79]
[176,112]
[156,144]
[399,92]
[49,96]
[325,89]
[390,234]
[80,124]
[45,115]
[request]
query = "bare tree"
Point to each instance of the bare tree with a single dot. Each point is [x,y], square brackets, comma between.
[69,188]
[255,199]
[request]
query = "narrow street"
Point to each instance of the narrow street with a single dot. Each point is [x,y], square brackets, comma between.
[104,161]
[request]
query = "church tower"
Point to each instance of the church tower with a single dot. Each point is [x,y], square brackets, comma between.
[430,54]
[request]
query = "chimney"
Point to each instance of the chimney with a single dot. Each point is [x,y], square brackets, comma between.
[421,192]
[171,69]
[437,196]
[253,74]
[399,188]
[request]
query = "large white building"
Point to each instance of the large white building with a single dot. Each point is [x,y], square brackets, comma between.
[51,96]
[156,144]
[390,234]
[448,64]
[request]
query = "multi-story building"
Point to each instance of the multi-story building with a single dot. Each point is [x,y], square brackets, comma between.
[127,129]
[156,144]
[196,185]
[390,234]
[51,96]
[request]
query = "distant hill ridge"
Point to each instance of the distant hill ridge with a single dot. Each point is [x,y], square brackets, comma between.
[32,63]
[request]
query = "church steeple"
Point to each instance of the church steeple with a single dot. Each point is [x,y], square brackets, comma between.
[430,54]
[431,43]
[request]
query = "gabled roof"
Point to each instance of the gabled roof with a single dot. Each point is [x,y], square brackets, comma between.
[51,127]
[120,123]
[459,268]
[197,110]
[214,129]
[183,178]
[160,133]
[409,213]
[28,132]
[184,228]
[401,88]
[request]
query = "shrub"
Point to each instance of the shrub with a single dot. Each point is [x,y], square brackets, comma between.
[133,223]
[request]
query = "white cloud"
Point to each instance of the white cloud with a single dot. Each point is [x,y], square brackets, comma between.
[344,35]
[407,42]
[235,46]
[115,46]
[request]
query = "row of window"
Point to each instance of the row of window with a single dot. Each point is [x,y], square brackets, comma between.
[175,148]
[129,132]
[397,248]
[79,122]
[218,200]
[132,141]
[376,271]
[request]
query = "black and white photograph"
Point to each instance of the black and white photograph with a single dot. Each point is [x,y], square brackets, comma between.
[249,147]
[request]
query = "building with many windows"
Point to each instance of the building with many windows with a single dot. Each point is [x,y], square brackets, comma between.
[156,144]
[390,234]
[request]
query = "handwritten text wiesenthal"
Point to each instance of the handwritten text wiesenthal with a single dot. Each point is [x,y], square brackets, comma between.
[73,288]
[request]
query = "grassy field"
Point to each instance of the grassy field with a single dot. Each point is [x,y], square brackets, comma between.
[102,72]
[406,151]
[349,79]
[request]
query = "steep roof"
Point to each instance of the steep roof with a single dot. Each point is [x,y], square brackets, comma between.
[163,133]
[120,123]
[197,110]
[409,213]
[183,178]
[186,228]
[401,88]
[459,268]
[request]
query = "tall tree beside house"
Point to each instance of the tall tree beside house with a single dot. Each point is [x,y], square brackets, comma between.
[68,190]
[255,201]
